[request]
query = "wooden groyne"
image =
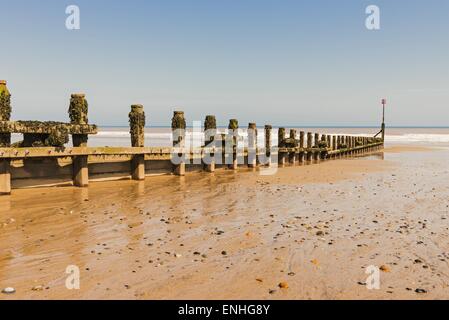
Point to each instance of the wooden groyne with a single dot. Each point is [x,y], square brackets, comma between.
[43,157]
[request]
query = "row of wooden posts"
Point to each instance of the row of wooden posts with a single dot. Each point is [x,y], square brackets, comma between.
[304,148]
[297,148]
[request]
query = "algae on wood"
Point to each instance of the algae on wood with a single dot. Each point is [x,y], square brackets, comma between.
[5,112]
[137,125]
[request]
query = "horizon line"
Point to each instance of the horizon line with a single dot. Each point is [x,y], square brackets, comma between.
[299,126]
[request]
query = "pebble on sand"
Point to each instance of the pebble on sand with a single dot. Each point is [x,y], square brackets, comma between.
[315,262]
[384,268]
[37,288]
[283,285]
[8,290]
[419,290]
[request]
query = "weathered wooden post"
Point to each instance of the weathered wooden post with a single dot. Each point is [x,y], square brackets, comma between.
[281,144]
[340,146]
[252,145]
[5,113]
[268,143]
[309,147]
[316,154]
[233,127]
[359,143]
[292,154]
[5,139]
[5,176]
[137,131]
[334,142]
[178,125]
[301,147]
[347,142]
[323,145]
[210,129]
[348,145]
[384,102]
[78,111]
[353,145]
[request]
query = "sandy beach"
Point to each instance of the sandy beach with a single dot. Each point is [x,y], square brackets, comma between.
[238,235]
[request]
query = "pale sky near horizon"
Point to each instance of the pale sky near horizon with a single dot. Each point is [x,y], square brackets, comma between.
[282,62]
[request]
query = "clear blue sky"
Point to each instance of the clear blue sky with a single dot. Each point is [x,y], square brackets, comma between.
[280,62]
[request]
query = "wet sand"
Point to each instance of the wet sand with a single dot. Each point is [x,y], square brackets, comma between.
[238,235]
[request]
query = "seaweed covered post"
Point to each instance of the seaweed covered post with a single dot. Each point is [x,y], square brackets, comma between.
[353,145]
[323,147]
[5,139]
[338,146]
[137,125]
[137,132]
[334,142]
[309,147]
[78,115]
[301,147]
[268,143]
[281,144]
[316,154]
[293,143]
[252,145]
[345,145]
[348,144]
[357,144]
[231,144]
[5,113]
[210,130]
[178,125]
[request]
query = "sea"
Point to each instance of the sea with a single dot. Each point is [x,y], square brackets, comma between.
[161,136]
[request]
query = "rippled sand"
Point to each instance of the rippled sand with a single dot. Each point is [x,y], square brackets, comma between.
[238,235]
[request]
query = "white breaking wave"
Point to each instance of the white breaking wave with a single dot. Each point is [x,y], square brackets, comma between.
[401,138]
[431,138]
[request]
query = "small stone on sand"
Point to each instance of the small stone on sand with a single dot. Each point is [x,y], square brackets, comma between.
[8,290]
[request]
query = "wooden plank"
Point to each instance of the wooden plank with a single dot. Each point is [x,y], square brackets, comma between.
[48,127]
[80,171]
[138,167]
[149,152]
[5,177]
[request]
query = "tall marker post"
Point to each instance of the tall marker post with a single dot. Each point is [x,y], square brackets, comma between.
[384,102]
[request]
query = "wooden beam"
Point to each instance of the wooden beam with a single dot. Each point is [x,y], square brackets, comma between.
[5,177]
[138,167]
[80,171]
